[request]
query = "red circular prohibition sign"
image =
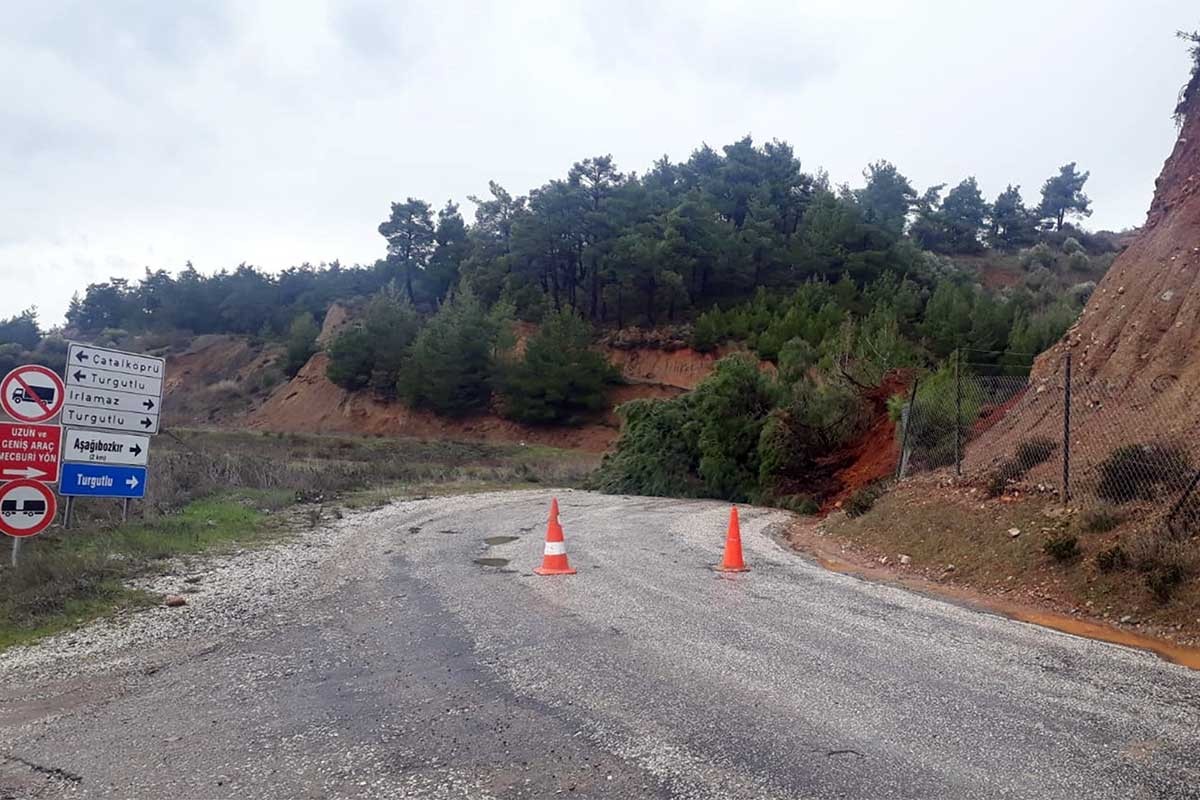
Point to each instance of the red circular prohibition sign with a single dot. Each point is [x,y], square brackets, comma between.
[32,393]
[26,508]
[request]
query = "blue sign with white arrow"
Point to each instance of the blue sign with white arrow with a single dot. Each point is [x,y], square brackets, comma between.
[102,480]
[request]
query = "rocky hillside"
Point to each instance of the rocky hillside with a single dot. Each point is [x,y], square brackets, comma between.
[1135,363]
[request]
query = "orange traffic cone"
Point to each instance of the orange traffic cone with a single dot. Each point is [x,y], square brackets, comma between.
[554,558]
[733,546]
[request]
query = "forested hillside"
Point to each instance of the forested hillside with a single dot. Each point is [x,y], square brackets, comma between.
[835,284]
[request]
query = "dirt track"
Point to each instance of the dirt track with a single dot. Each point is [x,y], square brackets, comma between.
[386,661]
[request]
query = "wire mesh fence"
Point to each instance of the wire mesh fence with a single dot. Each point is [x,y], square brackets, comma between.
[1128,452]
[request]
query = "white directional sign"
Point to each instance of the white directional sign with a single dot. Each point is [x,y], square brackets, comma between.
[102,447]
[112,390]
[86,355]
[85,417]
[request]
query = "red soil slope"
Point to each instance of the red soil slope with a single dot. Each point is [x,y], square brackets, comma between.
[1135,345]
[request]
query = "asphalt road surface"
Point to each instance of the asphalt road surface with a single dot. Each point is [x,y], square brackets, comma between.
[410,652]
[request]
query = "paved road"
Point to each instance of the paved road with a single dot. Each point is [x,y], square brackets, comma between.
[406,669]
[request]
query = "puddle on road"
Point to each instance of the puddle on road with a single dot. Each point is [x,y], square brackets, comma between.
[492,541]
[492,562]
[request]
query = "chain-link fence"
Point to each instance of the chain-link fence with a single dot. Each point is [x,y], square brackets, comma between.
[1127,452]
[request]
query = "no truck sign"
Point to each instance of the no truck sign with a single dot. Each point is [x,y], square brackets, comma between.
[31,393]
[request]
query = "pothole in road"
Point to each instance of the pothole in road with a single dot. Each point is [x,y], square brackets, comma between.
[492,562]
[492,541]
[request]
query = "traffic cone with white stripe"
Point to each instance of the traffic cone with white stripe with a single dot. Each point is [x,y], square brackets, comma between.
[732,562]
[554,558]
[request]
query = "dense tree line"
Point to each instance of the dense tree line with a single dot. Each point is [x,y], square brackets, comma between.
[618,248]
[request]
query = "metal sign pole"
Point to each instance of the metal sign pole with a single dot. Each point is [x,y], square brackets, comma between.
[125,511]
[15,550]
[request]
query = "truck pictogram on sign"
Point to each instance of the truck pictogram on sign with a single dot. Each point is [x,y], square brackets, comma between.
[31,393]
[26,508]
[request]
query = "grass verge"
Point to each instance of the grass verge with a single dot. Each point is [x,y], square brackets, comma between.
[213,490]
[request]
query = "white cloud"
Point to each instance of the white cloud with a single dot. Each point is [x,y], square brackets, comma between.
[277,132]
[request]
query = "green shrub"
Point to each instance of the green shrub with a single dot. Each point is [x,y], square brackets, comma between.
[449,369]
[1112,559]
[1039,255]
[1071,246]
[863,500]
[371,353]
[732,405]
[796,503]
[1033,451]
[707,332]
[301,343]
[657,453]
[818,418]
[998,481]
[1163,582]
[934,417]
[705,443]
[559,378]
[1099,520]
[1061,547]
[1141,471]
[351,359]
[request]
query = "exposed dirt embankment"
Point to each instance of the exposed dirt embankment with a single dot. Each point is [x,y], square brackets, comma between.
[312,403]
[1136,339]
[217,380]
[224,380]
[682,369]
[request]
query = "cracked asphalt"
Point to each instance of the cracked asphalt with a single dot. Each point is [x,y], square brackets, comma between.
[411,652]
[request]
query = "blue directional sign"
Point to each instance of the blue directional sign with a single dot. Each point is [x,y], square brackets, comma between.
[102,480]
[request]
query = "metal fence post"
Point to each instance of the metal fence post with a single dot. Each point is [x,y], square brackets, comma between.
[1066,476]
[912,403]
[957,413]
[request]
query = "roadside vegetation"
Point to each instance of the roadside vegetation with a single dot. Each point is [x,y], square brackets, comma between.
[212,491]
[1114,563]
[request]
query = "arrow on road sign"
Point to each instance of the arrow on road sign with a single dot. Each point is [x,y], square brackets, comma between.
[81,356]
[136,449]
[26,472]
[146,423]
[102,480]
[149,404]
[79,374]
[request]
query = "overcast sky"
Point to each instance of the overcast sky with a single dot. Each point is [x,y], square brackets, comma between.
[137,134]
